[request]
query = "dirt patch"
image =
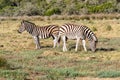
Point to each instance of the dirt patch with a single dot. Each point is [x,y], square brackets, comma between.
[50,53]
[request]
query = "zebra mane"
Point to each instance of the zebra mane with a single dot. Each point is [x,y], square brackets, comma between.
[25,21]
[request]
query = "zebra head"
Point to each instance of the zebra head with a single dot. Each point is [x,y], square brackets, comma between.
[22,27]
[93,43]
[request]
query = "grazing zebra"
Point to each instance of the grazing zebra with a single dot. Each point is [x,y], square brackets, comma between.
[78,32]
[40,32]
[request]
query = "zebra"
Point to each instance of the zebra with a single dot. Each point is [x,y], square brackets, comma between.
[78,32]
[38,32]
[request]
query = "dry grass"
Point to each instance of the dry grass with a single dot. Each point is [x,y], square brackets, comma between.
[10,39]
[90,78]
[20,51]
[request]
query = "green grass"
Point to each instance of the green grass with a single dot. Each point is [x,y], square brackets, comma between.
[109,73]
[53,64]
[13,75]
[59,66]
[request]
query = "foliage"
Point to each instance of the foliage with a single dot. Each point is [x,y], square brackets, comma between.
[52,11]
[51,7]
[105,7]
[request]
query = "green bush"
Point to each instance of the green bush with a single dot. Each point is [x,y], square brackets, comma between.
[51,7]
[105,7]
[52,11]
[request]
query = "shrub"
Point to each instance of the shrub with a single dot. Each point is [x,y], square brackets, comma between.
[94,29]
[52,11]
[105,7]
[109,28]
[50,7]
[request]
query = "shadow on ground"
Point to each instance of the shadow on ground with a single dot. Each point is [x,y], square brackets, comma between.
[105,49]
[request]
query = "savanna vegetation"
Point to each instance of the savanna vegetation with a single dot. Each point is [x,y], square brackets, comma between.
[58,7]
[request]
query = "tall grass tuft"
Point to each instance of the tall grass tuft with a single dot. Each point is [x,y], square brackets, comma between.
[109,28]
[94,29]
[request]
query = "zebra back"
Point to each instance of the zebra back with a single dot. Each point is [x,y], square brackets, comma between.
[41,31]
[74,30]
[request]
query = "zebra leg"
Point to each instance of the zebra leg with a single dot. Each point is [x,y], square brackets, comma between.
[64,44]
[77,42]
[84,43]
[58,41]
[36,38]
[55,41]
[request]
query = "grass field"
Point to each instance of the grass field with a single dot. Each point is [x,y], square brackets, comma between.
[20,61]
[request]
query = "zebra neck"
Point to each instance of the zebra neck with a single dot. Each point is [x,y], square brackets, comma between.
[30,29]
[92,38]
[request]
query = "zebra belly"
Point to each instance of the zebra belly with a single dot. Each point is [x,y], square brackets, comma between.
[74,35]
[71,36]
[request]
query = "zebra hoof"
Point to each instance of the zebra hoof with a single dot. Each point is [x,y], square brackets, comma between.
[75,50]
[64,50]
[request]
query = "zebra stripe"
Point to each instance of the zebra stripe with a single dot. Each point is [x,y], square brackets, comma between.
[72,31]
[41,32]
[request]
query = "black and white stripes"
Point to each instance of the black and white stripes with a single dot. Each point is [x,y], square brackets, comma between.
[78,32]
[66,31]
[40,32]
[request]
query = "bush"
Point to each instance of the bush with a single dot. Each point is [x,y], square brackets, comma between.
[105,7]
[94,29]
[52,11]
[109,28]
[28,9]
[50,7]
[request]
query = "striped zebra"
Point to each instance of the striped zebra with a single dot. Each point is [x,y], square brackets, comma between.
[78,32]
[38,32]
